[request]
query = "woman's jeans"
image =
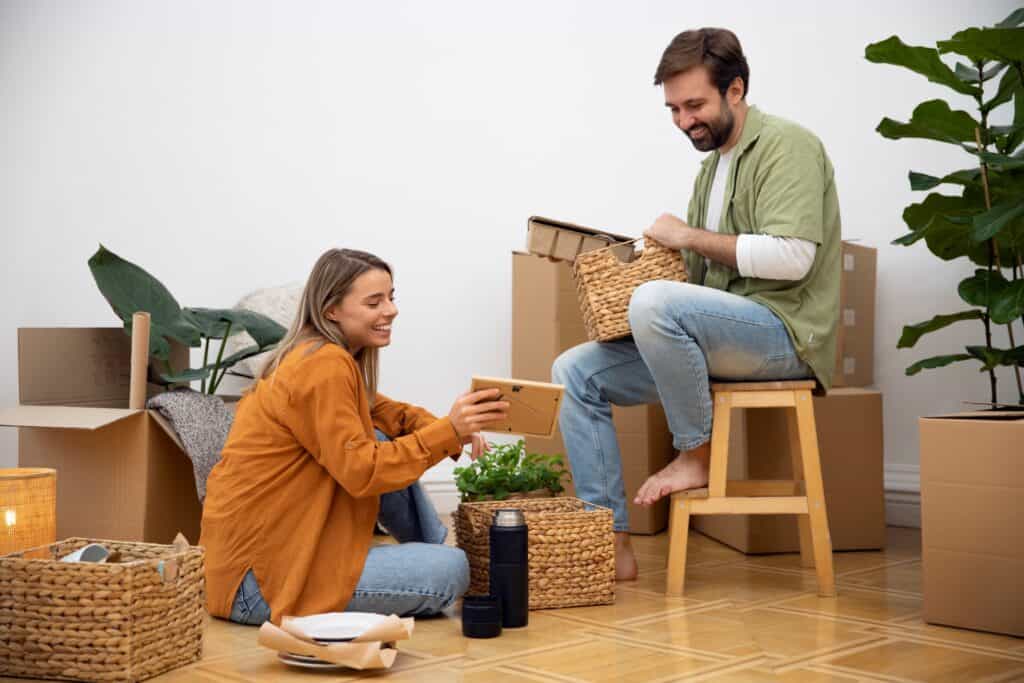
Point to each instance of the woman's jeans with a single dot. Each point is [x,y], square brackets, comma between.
[417,577]
[682,335]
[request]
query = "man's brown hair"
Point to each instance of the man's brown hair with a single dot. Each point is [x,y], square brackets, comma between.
[718,49]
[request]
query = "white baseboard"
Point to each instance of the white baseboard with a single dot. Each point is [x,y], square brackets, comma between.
[903,495]
[443,494]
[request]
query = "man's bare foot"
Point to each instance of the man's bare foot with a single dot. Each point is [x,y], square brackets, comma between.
[625,561]
[688,470]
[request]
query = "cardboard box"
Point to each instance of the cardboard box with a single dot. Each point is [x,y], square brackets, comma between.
[972,508]
[122,474]
[855,338]
[546,321]
[849,423]
[566,241]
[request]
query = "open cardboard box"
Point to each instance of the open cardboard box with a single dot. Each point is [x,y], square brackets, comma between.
[565,241]
[972,509]
[122,473]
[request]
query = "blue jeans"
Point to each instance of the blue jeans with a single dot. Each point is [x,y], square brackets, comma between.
[418,577]
[683,334]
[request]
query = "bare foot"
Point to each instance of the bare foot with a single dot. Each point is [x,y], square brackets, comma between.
[689,470]
[625,561]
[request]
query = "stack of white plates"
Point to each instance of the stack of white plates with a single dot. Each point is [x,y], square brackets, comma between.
[328,629]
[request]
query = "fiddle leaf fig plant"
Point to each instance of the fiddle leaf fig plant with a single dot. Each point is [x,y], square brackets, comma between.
[979,213]
[128,289]
[505,469]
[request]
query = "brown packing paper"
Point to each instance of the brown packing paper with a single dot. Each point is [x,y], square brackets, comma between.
[361,653]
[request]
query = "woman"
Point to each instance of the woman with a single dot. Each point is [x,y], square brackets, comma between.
[291,506]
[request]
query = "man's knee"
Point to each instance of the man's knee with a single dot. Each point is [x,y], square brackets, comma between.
[452,577]
[567,363]
[659,301]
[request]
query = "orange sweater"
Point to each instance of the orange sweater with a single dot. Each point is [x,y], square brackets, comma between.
[296,493]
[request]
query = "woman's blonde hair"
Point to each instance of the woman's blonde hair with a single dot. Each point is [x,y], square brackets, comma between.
[330,280]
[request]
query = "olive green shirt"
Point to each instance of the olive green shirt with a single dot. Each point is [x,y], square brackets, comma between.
[781,183]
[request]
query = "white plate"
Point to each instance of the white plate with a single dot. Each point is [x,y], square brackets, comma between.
[307,662]
[337,626]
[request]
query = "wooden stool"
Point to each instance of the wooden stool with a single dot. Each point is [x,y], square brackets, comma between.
[804,496]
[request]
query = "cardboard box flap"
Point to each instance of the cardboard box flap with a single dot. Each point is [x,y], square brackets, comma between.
[166,426]
[62,417]
[562,225]
[998,415]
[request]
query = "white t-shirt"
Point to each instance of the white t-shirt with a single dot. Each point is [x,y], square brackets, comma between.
[762,256]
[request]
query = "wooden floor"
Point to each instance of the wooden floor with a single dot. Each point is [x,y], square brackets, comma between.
[742,619]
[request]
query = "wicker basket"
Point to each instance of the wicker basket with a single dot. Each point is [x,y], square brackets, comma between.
[571,549]
[88,621]
[604,285]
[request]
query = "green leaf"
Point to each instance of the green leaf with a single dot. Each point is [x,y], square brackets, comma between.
[130,289]
[987,44]
[982,288]
[922,60]
[990,358]
[988,224]
[1002,162]
[1008,304]
[936,362]
[1014,140]
[1008,84]
[922,181]
[187,376]
[1016,18]
[908,239]
[911,333]
[969,74]
[932,120]
[213,323]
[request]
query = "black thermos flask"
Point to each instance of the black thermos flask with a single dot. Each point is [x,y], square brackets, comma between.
[509,567]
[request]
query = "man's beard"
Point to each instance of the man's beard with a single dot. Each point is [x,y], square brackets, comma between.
[718,131]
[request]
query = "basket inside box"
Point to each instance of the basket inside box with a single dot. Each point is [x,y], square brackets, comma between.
[89,621]
[571,549]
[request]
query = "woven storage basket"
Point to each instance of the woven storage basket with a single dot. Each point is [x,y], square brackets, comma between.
[604,285]
[88,621]
[571,549]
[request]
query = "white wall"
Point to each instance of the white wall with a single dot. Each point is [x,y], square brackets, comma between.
[224,145]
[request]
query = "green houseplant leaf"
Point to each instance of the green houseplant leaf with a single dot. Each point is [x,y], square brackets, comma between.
[921,181]
[1008,303]
[911,333]
[130,289]
[932,120]
[936,362]
[922,60]
[982,288]
[988,224]
[987,44]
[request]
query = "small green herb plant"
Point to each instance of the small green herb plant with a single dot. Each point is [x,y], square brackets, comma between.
[507,468]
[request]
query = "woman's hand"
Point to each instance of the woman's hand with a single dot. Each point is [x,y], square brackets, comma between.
[480,445]
[473,411]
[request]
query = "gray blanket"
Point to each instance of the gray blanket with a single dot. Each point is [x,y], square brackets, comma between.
[201,422]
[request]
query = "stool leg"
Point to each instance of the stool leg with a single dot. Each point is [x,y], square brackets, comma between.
[796,455]
[815,494]
[719,467]
[678,535]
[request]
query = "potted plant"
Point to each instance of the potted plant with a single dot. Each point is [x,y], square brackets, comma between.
[972,500]
[508,471]
[129,289]
[983,220]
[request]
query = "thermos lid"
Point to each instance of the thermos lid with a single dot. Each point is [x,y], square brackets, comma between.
[510,517]
[481,616]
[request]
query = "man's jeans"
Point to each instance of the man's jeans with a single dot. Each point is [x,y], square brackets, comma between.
[417,577]
[682,335]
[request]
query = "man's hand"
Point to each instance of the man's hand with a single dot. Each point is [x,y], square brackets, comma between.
[480,445]
[671,232]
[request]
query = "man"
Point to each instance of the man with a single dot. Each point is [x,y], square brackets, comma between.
[761,243]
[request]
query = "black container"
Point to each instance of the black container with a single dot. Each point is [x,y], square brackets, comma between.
[510,575]
[481,616]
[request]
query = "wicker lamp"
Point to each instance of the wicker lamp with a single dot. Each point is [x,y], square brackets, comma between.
[28,508]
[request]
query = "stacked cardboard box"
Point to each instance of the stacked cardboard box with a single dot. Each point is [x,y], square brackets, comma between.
[546,321]
[855,338]
[122,474]
[972,504]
